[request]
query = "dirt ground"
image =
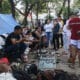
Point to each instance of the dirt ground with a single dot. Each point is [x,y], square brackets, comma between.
[62,61]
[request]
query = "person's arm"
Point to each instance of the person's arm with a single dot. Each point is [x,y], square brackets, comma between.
[68,24]
[38,34]
[14,41]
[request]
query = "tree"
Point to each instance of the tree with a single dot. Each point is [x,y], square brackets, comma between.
[12,7]
[76,4]
[28,6]
[64,2]
[0,5]
[5,6]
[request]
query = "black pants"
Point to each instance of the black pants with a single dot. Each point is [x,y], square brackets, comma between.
[15,51]
[56,41]
[61,39]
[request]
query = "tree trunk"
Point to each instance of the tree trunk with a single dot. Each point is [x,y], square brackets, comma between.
[0,6]
[27,11]
[12,7]
[62,8]
[68,9]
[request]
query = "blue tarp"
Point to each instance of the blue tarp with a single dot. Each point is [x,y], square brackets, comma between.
[7,23]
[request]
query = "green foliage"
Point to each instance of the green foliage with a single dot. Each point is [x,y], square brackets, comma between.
[49,17]
[65,13]
[77,4]
[6,7]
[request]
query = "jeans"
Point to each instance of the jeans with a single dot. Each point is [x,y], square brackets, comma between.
[49,36]
[66,42]
[56,41]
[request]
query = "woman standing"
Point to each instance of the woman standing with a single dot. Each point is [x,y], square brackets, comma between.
[48,28]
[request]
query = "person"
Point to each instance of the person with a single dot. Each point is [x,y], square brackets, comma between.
[66,38]
[48,28]
[36,34]
[5,70]
[56,34]
[74,26]
[14,45]
[61,23]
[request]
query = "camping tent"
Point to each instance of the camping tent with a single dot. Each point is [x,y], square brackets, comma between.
[7,23]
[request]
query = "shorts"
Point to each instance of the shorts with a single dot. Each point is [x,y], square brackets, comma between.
[75,43]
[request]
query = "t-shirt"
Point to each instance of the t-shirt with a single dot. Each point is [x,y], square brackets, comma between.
[66,30]
[56,28]
[7,76]
[74,24]
[11,36]
[48,27]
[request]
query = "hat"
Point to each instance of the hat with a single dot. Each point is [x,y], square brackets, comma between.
[4,60]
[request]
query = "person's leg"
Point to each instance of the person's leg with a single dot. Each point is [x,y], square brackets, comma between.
[73,52]
[64,43]
[47,36]
[68,44]
[51,37]
[54,44]
[79,56]
[15,51]
[22,47]
[61,39]
[57,41]
[11,52]
[78,51]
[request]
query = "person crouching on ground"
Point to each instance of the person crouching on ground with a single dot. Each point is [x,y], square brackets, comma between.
[14,45]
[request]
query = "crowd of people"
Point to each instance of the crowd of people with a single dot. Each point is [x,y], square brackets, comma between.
[53,34]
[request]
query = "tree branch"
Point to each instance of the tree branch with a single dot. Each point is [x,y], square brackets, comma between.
[62,8]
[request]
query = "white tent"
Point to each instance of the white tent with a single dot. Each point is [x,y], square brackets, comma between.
[7,23]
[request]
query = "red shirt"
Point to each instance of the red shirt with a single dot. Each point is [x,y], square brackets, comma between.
[74,24]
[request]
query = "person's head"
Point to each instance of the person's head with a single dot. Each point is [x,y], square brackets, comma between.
[18,29]
[48,21]
[38,29]
[4,65]
[55,21]
[59,18]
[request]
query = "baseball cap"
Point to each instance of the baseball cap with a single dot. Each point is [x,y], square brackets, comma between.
[4,60]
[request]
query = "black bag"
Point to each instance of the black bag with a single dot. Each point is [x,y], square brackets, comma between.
[33,69]
[21,75]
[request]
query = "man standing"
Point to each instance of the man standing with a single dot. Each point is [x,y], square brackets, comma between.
[74,26]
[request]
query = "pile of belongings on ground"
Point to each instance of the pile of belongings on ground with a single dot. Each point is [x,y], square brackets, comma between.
[32,73]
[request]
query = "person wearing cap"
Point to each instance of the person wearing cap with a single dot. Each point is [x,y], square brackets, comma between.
[74,26]
[14,45]
[5,70]
[4,65]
